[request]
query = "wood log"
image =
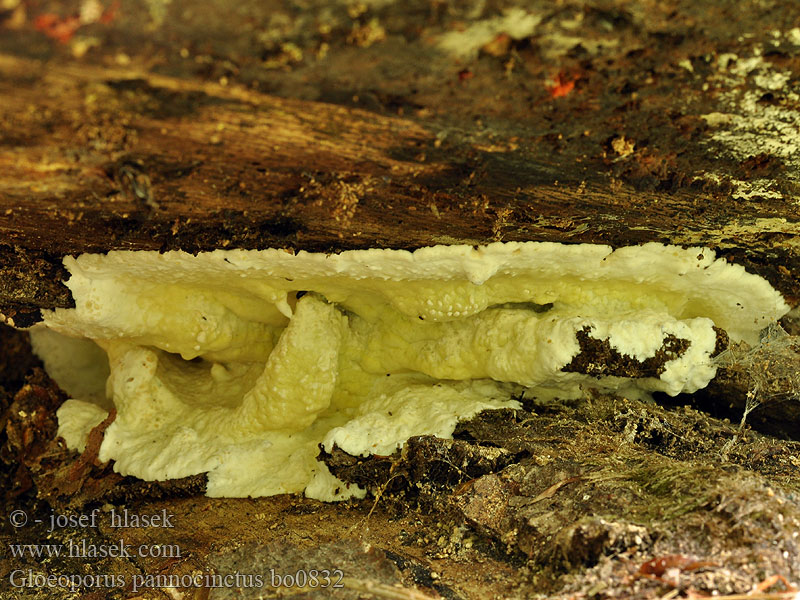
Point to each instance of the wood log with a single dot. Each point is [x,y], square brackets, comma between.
[135,146]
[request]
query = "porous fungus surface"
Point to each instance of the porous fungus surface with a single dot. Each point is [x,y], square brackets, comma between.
[241,363]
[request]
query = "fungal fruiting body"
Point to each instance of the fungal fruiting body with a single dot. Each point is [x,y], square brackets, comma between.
[239,364]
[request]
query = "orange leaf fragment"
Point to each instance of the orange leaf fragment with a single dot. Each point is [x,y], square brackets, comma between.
[563,84]
[58,28]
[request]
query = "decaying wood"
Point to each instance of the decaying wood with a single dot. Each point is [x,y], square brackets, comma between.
[162,153]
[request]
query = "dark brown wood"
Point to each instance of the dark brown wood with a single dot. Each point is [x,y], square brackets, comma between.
[181,148]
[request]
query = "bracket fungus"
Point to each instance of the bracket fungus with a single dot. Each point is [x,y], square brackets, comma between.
[241,363]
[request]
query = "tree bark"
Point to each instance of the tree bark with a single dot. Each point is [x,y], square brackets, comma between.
[174,144]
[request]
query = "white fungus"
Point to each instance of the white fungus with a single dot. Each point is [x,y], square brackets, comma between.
[240,363]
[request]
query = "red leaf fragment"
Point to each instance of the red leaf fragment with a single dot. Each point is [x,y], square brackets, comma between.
[562,85]
[658,566]
[110,13]
[58,28]
[62,29]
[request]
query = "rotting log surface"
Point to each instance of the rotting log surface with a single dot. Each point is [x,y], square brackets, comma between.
[340,125]
[347,128]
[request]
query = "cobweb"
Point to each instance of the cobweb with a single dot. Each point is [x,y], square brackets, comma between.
[773,367]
